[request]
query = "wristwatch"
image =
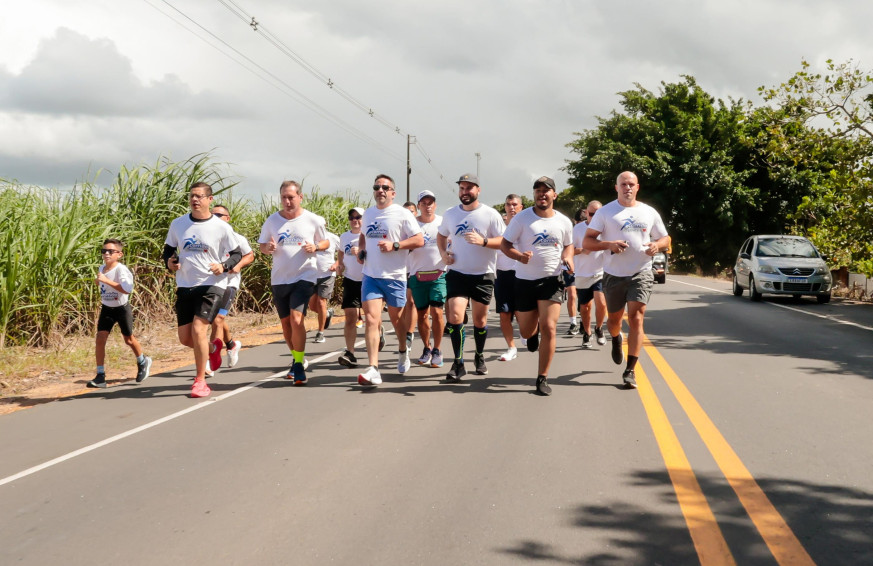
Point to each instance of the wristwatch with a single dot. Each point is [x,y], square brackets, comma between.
[396,246]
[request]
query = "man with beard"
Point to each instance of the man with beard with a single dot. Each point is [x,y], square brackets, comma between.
[540,239]
[468,240]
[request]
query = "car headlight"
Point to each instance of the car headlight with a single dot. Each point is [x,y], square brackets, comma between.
[822,270]
[765,268]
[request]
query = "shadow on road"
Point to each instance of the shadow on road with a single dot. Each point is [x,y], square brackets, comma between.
[834,524]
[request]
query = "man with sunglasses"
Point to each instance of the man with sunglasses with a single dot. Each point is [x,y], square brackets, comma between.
[389,231]
[468,239]
[200,249]
[220,329]
[632,232]
[540,239]
[588,265]
[293,236]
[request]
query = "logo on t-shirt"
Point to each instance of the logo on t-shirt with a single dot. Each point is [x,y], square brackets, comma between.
[632,225]
[376,230]
[543,240]
[191,244]
[286,238]
[464,227]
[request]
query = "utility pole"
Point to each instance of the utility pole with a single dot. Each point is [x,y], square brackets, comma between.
[478,157]
[409,141]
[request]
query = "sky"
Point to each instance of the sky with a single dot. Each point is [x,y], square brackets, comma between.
[89,86]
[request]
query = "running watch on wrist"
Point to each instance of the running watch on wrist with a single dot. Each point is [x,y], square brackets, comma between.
[396,246]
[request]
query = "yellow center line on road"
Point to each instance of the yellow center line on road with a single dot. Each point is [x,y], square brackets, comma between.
[709,542]
[777,535]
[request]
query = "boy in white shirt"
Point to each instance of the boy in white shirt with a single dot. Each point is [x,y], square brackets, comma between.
[116,283]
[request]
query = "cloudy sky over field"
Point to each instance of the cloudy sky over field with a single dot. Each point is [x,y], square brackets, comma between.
[87,86]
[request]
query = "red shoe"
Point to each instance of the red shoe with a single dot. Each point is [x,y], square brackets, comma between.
[215,356]
[200,389]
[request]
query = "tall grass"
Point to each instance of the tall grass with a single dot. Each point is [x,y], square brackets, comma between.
[50,242]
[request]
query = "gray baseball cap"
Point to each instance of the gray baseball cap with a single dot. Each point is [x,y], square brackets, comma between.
[547,181]
[424,194]
[470,178]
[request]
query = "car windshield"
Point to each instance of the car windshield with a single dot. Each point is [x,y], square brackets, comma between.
[785,247]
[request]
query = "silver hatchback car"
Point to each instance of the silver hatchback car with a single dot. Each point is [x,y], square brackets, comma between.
[781,265]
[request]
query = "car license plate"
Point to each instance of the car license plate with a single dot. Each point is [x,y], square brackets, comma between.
[797,280]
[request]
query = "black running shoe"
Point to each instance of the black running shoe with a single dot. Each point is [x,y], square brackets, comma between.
[543,386]
[629,379]
[348,359]
[601,339]
[533,343]
[142,369]
[381,338]
[479,363]
[457,372]
[98,381]
[328,319]
[617,352]
[586,340]
[573,330]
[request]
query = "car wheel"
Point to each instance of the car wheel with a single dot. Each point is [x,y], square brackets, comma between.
[822,299]
[754,294]
[738,291]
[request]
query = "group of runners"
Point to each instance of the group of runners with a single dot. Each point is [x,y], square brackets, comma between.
[427,270]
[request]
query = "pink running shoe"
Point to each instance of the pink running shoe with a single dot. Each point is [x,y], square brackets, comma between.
[200,389]
[215,356]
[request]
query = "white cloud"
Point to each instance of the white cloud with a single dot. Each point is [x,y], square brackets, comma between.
[100,83]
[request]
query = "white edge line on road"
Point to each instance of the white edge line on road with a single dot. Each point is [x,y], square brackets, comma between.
[207,403]
[801,311]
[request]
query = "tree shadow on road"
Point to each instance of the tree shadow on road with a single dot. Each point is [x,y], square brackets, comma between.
[833,523]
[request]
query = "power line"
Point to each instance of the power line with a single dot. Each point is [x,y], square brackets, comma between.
[284,88]
[260,29]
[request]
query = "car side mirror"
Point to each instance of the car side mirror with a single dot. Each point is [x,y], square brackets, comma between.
[744,255]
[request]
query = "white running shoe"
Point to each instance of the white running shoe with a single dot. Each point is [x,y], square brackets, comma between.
[370,377]
[305,364]
[403,363]
[210,373]
[508,355]
[233,353]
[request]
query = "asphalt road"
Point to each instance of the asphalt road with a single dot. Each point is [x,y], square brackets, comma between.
[748,442]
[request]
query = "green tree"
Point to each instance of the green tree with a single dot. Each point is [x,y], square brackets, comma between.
[691,156]
[819,130]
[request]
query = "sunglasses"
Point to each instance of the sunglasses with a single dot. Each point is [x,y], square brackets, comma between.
[108,251]
[354,217]
[220,215]
[383,188]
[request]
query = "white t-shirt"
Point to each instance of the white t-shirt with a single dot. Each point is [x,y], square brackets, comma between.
[471,259]
[353,269]
[586,265]
[234,279]
[637,225]
[200,243]
[427,257]
[290,263]
[119,274]
[504,262]
[545,237]
[392,223]
[326,258]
